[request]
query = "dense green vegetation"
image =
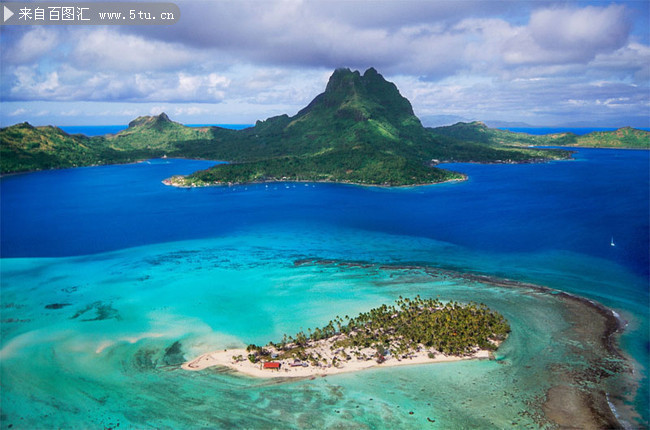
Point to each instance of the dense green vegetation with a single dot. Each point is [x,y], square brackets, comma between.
[157,134]
[359,167]
[412,325]
[25,148]
[476,142]
[626,137]
[477,132]
[360,130]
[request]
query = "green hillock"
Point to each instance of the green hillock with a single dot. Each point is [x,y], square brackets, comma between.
[26,148]
[155,133]
[355,167]
[477,142]
[626,137]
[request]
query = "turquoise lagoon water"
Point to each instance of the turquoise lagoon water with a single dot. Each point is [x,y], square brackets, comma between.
[109,279]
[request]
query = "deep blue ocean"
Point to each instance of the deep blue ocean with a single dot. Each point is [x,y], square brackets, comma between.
[552,224]
[93,130]
[100,130]
[574,206]
[552,130]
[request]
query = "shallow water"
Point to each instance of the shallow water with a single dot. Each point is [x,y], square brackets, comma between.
[108,246]
[105,356]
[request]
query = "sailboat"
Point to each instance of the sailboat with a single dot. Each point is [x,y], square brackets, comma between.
[612,242]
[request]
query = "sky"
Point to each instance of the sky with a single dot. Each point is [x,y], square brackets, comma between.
[542,63]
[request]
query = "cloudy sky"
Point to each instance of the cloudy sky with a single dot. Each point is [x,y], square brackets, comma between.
[233,62]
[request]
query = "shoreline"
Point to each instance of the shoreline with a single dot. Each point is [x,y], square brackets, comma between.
[566,403]
[24,172]
[225,359]
[169,182]
[126,163]
[615,324]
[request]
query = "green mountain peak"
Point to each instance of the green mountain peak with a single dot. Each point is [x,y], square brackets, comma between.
[158,121]
[158,133]
[349,95]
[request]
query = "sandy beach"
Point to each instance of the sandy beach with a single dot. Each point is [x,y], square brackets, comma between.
[291,369]
[178,181]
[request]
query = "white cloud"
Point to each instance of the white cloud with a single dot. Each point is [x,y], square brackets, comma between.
[259,59]
[29,82]
[74,84]
[587,29]
[17,112]
[630,61]
[35,43]
[193,87]
[190,110]
[107,49]
[183,86]
[157,110]
[129,113]
[568,35]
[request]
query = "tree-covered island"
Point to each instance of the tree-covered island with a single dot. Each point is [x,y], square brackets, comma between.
[412,331]
[360,130]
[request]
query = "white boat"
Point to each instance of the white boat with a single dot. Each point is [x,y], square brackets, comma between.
[612,242]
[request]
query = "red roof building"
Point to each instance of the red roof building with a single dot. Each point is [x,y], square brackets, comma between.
[272,365]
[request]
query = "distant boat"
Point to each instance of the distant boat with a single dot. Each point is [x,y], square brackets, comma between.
[612,242]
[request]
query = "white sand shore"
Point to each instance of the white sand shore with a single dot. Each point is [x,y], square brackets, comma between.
[225,358]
